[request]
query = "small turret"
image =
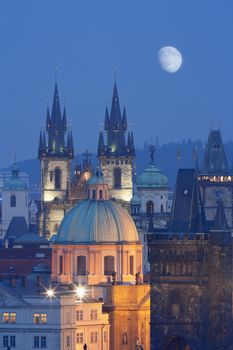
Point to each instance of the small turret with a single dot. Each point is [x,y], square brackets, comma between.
[106,121]
[101,146]
[124,120]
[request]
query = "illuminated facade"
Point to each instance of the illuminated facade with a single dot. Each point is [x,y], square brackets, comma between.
[55,157]
[116,156]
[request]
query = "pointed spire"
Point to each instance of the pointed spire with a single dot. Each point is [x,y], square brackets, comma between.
[129,141]
[124,120]
[48,120]
[132,148]
[40,149]
[101,146]
[64,122]
[115,117]
[106,121]
[220,220]
[70,145]
[56,110]
[44,141]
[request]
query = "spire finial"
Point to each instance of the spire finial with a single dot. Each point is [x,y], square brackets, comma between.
[55,72]
[115,73]
[152,153]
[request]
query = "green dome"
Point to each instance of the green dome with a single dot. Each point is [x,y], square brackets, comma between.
[97,221]
[152,177]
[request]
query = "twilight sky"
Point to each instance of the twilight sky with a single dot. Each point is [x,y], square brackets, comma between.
[86,39]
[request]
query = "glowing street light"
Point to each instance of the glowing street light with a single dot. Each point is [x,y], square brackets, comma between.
[50,293]
[80,292]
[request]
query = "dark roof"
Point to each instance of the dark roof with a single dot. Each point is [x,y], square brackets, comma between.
[215,161]
[220,220]
[115,127]
[56,127]
[186,211]
[31,239]
[17,228]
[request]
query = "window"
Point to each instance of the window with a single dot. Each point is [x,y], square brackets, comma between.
[175,302]
[60,264]
[161,208]
[5,340]
[93,194]
[36,341]
[101,194]
[108,265]
[68,341]
[51,176]
[40,318]
[81,262]
[43,342]
[149,208]
[43,318]
[57,179]
[93,314]
[79,338]
[13,317]
[79,315]
[13,200]
[117,178]
[94,337]
[36,318]
[6,317]
[131,265]
[12,341]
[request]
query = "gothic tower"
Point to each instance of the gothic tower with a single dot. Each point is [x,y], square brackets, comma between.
[116,155]
[55,156]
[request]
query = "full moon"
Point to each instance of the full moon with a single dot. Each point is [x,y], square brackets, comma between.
[170,59]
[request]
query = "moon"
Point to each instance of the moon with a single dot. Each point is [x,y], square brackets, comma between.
[170,59]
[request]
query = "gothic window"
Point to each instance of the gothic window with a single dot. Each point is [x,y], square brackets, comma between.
[101,194]
[13,200]
[60,264]
[216,145]
[149,208]
[131,265]
[81,265]
[161,208]
[117,178]
[57,179]
[108,265]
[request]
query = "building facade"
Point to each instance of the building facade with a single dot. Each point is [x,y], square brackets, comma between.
[191,273]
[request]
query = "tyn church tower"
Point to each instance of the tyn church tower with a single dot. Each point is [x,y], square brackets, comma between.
[116,155]
[55,154]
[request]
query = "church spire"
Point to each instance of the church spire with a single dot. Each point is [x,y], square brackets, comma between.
[101,146]
[56,128]
[115,126]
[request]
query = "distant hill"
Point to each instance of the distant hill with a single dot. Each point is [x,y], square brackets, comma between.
[165,158]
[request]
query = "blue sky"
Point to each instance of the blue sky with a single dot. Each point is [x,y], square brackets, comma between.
[86,39]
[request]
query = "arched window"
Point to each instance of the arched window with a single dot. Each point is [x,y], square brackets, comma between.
[149,208]
[108,265]
[81,265]
[117,178]
[131,265]
[161,208]
[57,179]
[60,264]
[101,194]
[13,200]
[93,194]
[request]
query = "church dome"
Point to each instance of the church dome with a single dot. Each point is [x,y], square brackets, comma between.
[152,177]
[97,221]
